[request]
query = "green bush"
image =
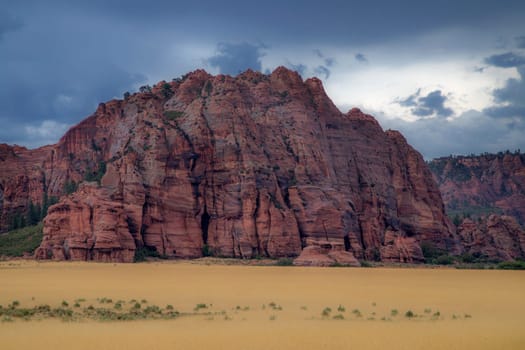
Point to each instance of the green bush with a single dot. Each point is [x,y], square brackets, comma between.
[285,262]
[23,240]
[145,252]
[326,312]
[173,115]
[512,265]
[444,260]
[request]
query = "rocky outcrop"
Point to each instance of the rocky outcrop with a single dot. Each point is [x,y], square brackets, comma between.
[494,238]
[481,185]
[87,225]
[256,165]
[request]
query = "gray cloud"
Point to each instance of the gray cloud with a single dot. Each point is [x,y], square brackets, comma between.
[506,60]
[361,58]
[329,62]
[435,137]
[299,68]
[426,106]
[511,98]
[520,41]
[233,59]
[69,56]
[322,70]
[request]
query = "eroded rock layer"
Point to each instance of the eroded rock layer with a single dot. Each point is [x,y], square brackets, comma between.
[256,165]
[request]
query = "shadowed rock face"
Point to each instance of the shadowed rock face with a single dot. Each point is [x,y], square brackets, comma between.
[496,237]
[484,184]
[257,165]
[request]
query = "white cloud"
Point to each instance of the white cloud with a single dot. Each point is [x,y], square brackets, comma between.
[44,133]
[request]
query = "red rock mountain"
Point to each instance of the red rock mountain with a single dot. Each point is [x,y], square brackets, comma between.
[486,195]
[484,184]
[256,165]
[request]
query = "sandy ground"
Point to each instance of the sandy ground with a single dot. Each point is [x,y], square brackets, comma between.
[494,299]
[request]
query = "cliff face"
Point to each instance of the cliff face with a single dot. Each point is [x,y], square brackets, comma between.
[495,237]
[486,196]
[257,165]
[482,185]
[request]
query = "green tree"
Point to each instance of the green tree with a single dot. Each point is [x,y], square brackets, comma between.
[167,92]
[33,215]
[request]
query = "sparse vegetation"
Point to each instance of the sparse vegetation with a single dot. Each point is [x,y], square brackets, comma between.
[284,262]
[409,314]
[200,306]
[173,115]
[326,312]
[512,265]
[20,241]
[394,312]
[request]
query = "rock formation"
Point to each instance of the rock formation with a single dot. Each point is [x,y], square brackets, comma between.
[256,165]
[482,185]
[485,195]
[496,238]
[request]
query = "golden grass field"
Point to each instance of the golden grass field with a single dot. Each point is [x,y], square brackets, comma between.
[495,300]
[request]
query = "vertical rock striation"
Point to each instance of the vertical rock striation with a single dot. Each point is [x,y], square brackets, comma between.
[256,165]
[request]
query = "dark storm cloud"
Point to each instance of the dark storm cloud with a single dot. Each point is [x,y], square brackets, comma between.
[361,58]
[291,21]
[506,60]
[426,106]
[511,96]
[233,59]
[60,58]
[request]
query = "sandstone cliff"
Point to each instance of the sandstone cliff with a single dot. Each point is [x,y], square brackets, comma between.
[482,185]
[485,195]
[495,237]
[256,165]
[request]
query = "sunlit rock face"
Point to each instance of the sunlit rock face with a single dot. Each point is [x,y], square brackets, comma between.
[252,166]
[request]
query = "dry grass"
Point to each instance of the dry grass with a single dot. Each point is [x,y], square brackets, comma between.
[260,307]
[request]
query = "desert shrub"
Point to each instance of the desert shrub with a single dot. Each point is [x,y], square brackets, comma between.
[444,260]
[284,262]
[95,175]
[512,265]
[394,312]
[341,308]
[173,115]
[430,251]
[365,263]
[141,254]
[70,187]
[409,314]
[338,317]
[326,312]
[200,306]
[166,90]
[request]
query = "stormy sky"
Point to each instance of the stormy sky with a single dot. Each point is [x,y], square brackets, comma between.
[450,75]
